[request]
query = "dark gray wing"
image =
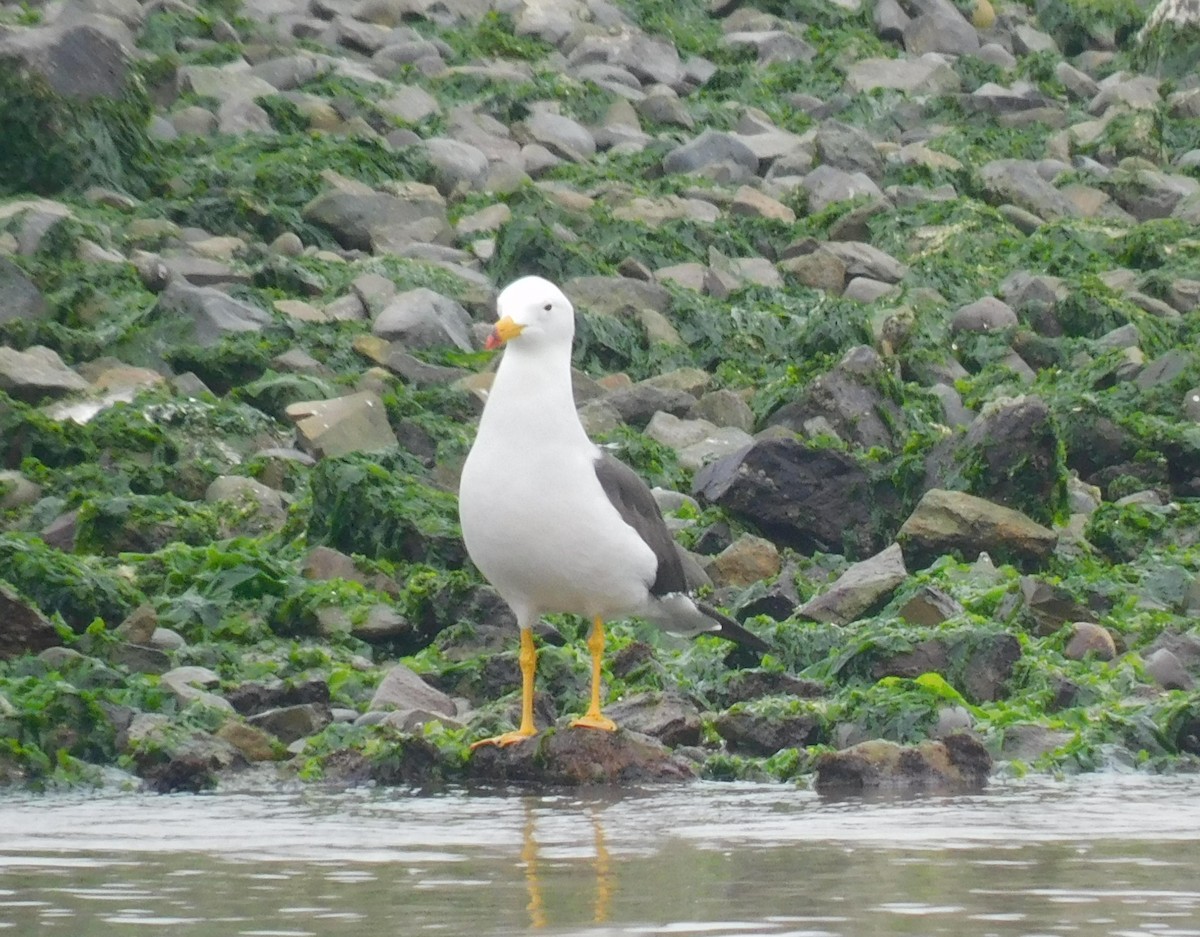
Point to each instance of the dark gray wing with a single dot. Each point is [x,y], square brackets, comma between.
[632,498]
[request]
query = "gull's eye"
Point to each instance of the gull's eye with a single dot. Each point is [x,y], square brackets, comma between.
[548,306]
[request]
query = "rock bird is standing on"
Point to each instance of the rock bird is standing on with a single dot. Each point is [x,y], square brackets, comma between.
[552,521]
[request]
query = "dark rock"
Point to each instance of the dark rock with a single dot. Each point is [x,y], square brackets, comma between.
[290,723]
[639,402]
[23,628]
[567,756]
[802,497]
[324,563]
[139,658]
[743,686]
[930,606]
[931,656]
[850,397]
[1049,605]
[1010,454]
[950,521]
[989,667]
[957,763]
[759,734]
[255,696]
[668,717]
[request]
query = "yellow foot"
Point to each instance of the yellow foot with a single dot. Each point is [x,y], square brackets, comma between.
[594,721]
[505,739]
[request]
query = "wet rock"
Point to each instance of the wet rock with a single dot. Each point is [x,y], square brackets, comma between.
[956,764]
[669,717]
[257,696]
[759,734]
[403,689]
[989,666]
[567,756]
[861,587]
[951,521]
[254,744]
[1090,639]
[23,628]
[1018,182]
[801,497]
[290,723]
[1028,742]
[168,764]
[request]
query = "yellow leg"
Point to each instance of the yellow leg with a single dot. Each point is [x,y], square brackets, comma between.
[528,660]
[593,719]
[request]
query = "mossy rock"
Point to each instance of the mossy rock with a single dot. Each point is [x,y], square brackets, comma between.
[372,505]
[53,143]
[1078,24]
[143,524]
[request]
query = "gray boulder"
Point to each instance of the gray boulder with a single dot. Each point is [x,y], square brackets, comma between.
[214,314]
[20,299]
[713,153]
[422,318]
[82,60]
[36,374]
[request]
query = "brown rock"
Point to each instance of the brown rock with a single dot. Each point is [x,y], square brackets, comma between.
[959,762]
[581,756]
[1088,638]
[747,560]
[23,629]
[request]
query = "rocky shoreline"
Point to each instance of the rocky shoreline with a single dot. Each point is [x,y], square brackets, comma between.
[897,304]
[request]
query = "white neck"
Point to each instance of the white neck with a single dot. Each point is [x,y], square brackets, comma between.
[539,403]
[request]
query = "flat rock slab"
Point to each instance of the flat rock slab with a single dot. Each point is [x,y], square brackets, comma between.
[859,588]
[354,423]
[36,374]
[957,763]
[567,756]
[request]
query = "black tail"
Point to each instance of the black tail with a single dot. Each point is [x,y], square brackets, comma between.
[730,630]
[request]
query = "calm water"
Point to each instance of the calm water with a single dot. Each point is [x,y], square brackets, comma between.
[1113,855]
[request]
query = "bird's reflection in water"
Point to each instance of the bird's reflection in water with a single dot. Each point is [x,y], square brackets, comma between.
[601,868]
